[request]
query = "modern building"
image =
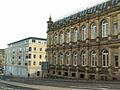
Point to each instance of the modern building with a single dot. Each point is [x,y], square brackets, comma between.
[2,60]
[86,45]
[24,57]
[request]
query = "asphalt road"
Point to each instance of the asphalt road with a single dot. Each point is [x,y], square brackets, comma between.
[4,86]
[64,83]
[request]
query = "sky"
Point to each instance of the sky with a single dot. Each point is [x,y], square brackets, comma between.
[20,19]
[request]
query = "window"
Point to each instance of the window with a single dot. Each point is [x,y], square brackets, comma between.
[55,39]
[29,56]
[40,56]
[115,28]
[67,58]
[40,49]
[19,63]
[75,59]
[67,36]
[61,38]
[61,59]
[13,57]
[93,31]
[55,59]
[75,35]
[84,32]
[83,58]
[34,56]
[30,49]
[104,28]
[105,58]
[116,61]
[93,59]
[40,63]
[33,40]
[29,63]
[34,48]
[19,57]
[26,56]
[25,64]
[34,63]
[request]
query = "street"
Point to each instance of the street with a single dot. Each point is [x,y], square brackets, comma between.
[63,84]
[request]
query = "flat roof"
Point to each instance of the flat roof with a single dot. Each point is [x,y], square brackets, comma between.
[36,38]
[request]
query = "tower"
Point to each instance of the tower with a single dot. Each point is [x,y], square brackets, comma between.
[50,22]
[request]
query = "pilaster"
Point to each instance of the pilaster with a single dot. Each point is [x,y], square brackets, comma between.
[98,29]
[110,27]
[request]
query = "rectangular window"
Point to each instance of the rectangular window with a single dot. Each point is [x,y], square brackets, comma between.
[116,61]
[115,28]
[30,49]
[34,63]
[29,56]
[34,56]
[33,40]
[40,56]
[26,56]
[29,63]
[19,57]
[34,48]
[40,63]
[40,49]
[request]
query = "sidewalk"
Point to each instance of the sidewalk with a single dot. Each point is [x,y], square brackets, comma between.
[37,87]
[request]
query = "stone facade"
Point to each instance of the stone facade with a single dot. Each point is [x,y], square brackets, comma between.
[24,57]
[2,60]
[86,45]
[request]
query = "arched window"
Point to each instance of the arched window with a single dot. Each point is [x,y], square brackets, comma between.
[67,36]
[105,59]
[55,39]
[75,35]
[104,28]
[93,59]
[61,39]
[84,32]
[67,58]
[93,31]
[83,58]
[61,59]
[74,58]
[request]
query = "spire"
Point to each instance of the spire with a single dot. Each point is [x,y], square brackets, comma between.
[50,19]
[50,22]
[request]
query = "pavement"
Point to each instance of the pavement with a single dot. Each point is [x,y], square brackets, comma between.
[60,84]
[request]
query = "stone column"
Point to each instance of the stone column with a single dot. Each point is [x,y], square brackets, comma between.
[98,63]
[64,63]
[110,27]
[71,64]
[98,29]
[87,63]
[87,28]
[110,64]
[64,35]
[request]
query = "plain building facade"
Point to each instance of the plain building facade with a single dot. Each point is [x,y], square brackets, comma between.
[86,45]
[24,57]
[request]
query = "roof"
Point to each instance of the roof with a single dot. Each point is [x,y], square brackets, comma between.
[92,10]
[27,39]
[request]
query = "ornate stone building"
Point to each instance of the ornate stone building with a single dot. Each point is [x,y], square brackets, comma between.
[2,60]
[86,45]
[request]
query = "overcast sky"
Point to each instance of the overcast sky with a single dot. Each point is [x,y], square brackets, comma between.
[20,19]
